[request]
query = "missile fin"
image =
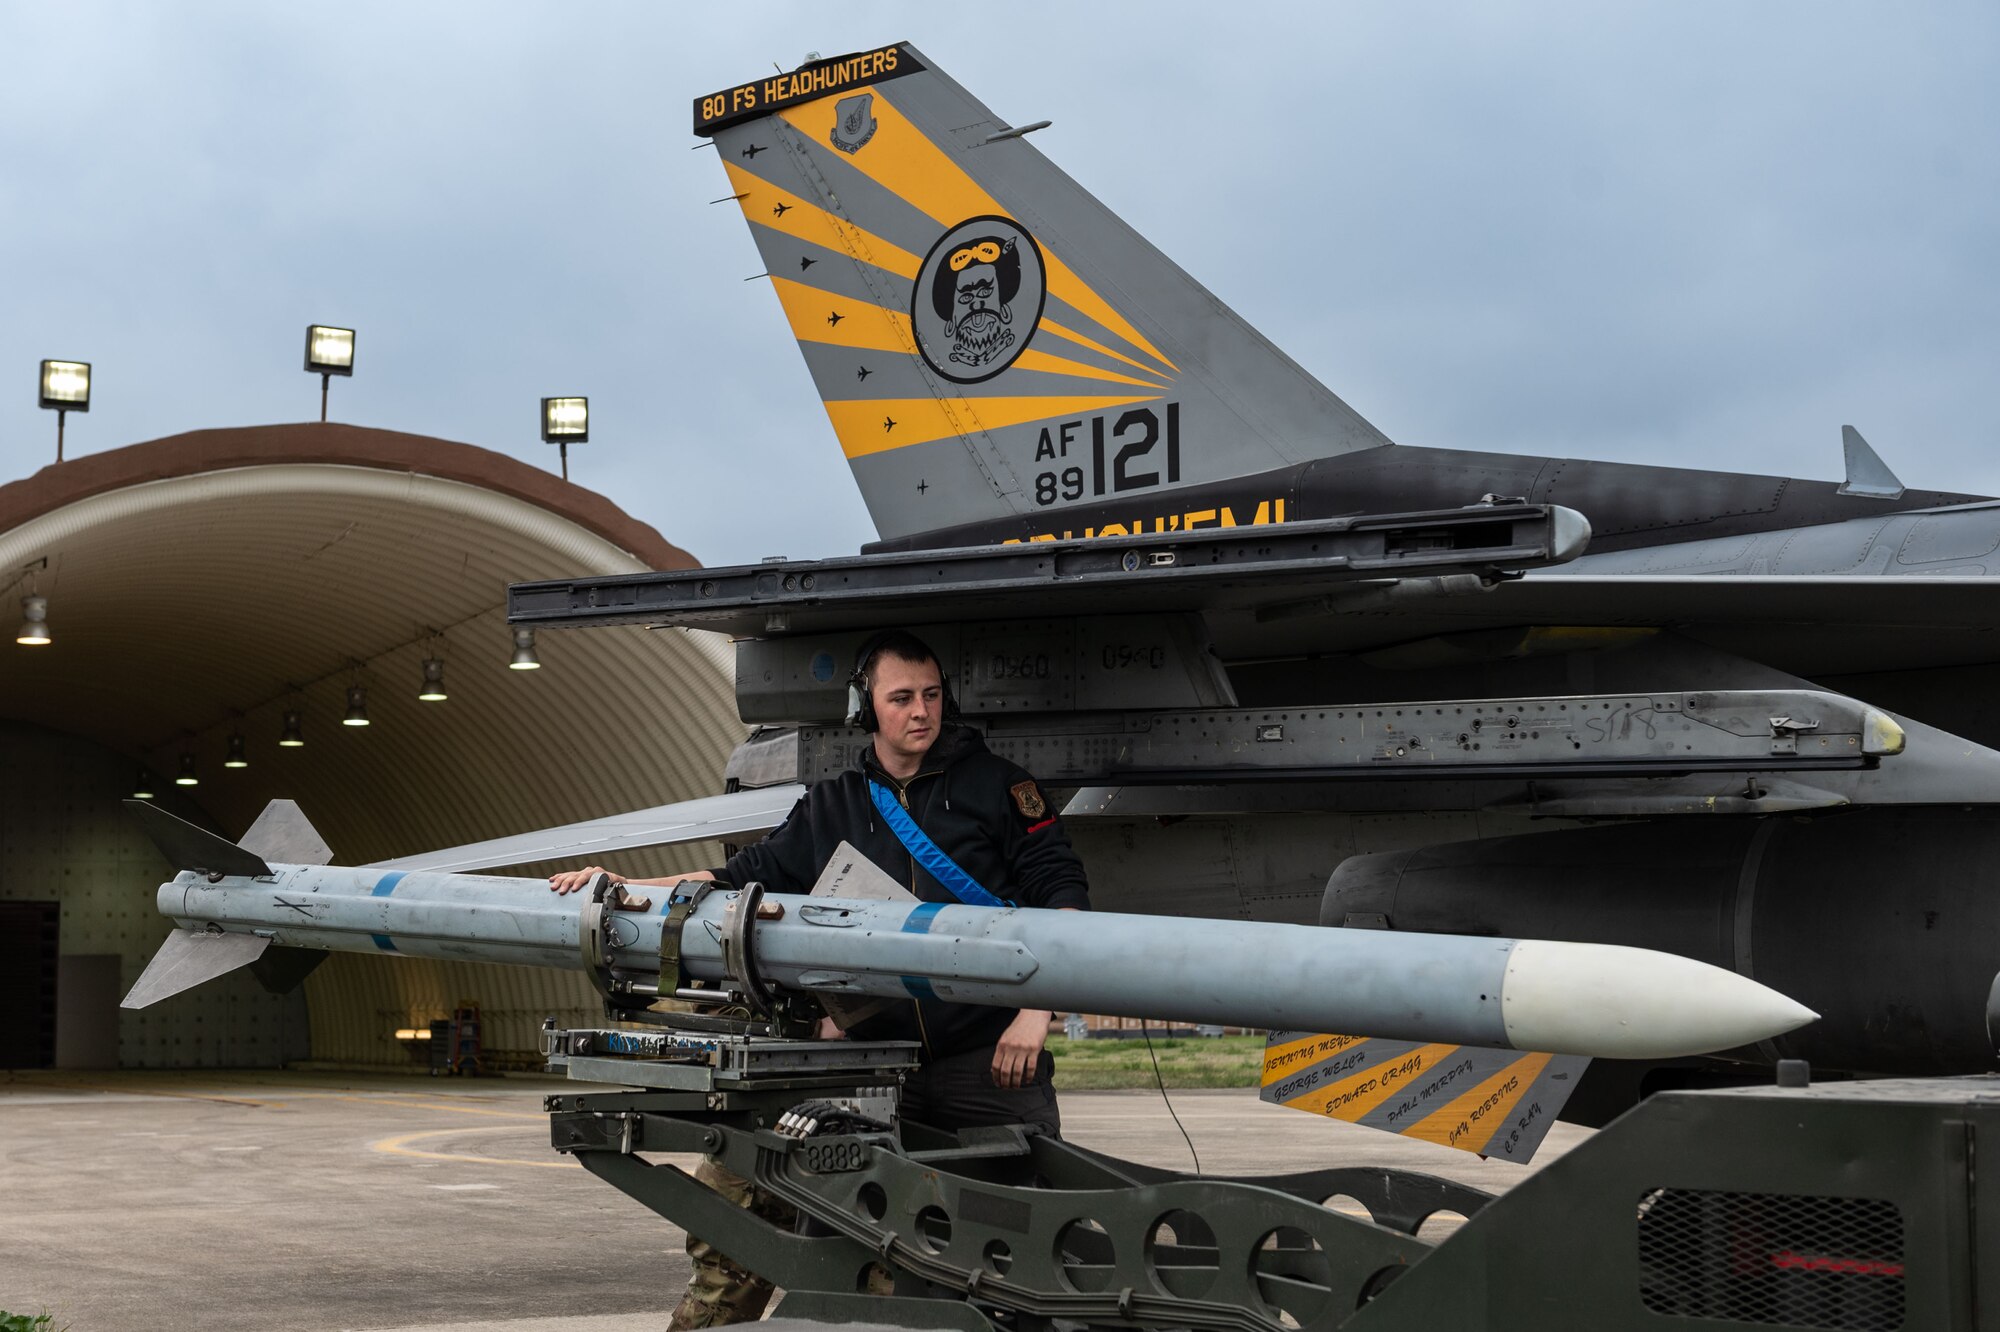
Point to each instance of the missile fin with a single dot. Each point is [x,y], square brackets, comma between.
[712,818]
[192,848]
[284,834]
[850,1010]
[851,874]
[281,970]
[189,957]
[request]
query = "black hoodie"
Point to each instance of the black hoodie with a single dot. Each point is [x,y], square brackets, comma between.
[984,812]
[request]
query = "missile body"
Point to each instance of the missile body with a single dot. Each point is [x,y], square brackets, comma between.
[1565,998]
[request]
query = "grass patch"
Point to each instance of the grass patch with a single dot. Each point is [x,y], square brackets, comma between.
[1202,1061]
[41,1322]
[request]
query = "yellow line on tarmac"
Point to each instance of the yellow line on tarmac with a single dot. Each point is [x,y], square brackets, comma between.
[399,1146]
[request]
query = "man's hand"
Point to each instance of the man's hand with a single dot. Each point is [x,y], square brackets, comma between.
[570,881]
[1020,1049]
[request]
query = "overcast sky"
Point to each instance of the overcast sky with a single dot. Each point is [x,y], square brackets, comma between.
[1695,233]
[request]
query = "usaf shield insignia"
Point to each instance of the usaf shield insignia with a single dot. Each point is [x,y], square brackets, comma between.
[853,122]
[1028,799]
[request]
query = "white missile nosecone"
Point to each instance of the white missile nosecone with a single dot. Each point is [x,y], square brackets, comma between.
[1596,1000]
[1563,998]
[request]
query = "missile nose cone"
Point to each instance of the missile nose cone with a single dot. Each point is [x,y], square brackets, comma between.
[1614,1002]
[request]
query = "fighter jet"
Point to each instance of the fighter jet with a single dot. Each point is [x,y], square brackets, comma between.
[1747,725]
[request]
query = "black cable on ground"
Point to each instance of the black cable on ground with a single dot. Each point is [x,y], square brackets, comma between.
[1162,1084]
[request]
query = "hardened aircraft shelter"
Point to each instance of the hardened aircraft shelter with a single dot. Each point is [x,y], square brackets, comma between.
[203,591]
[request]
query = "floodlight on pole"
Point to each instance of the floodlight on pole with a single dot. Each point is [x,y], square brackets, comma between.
[565,421]
[65,388]
[329,352]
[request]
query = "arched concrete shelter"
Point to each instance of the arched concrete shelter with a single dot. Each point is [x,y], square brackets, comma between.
[200,586]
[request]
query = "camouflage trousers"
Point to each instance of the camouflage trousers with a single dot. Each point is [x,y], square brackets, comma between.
[951,1093]
[720,1290]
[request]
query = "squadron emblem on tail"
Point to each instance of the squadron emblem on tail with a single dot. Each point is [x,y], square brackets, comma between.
[984,286]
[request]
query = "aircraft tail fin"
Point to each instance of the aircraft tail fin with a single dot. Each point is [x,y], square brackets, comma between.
[1493,1102]
[991,343]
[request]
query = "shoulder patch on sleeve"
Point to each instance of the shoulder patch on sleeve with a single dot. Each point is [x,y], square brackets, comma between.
[1028,799]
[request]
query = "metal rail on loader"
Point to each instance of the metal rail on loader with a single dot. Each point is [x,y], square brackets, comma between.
[1844,1205]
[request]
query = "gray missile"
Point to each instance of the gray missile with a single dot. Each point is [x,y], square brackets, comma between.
[1564,998]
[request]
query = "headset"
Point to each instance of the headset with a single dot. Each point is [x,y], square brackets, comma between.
[860,698]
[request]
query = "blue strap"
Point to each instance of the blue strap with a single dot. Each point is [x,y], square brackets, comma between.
[928,853]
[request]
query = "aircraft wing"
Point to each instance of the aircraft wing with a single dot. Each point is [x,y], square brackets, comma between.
[739,814]
[1807,624]
[1932,600]
[1205,569]
[1887,592]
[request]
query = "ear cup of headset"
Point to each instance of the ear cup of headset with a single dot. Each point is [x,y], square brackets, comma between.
[860,707]
[860,699]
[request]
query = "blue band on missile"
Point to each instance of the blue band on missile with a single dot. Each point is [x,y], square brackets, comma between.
[383,887]
[919,921]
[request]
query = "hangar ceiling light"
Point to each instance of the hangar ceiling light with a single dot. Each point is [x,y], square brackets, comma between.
[143,784]
[186,777]
[237,758]
[357,707]
[432,689]
[524,652]
[34,630]
[292,737]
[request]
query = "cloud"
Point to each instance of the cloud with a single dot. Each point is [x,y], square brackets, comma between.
[1697,234]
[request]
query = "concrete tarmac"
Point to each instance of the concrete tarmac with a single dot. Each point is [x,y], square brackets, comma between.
[274,1202]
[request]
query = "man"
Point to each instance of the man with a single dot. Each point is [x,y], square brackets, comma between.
[990,834]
